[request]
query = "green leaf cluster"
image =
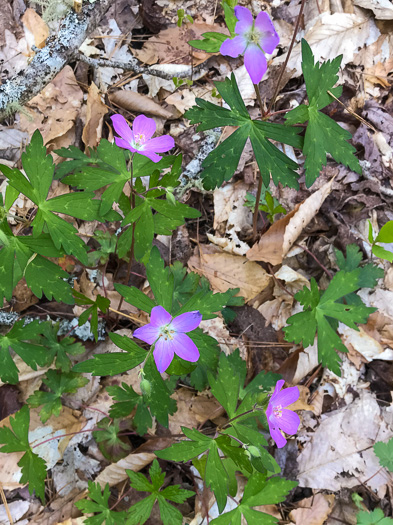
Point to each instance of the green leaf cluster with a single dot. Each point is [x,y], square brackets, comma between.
[222,162]
[375,517]
[16,439]
[98,504]
[59,383]
[267,203]
[101,303]
[323,135]
[338,303]
[384,236]
[384,451]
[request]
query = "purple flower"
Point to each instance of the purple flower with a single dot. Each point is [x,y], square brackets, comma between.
[254,39]
[280,418]
[140,138]
[169,336]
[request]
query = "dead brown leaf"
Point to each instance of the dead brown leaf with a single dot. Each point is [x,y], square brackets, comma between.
[225,271]
[278,240]
[54,110]
[34,23]
[96,110]
[133,101]
[314,510]
[171,45]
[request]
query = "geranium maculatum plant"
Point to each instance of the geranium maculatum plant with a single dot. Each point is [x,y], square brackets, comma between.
[128,187]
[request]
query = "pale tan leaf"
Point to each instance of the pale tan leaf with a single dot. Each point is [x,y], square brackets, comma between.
[333,35]
[96,110]
[225,271]
[34,23]
[278,240]
[382,9]
[193,409]
[314,510]
[340,454]
[133,101]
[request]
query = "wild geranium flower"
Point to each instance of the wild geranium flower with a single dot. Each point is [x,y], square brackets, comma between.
[169,336]
[279,417]
[139,139]
[254,39]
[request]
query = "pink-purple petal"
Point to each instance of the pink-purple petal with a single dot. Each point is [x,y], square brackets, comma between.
[286,397]
[122,128]
[147,333]
[243,27]
[124,144]
[244,15]
[184,347]
[233,47]
[150,155]
[289,421]
[270,39]
[144,126]
[159,316]
[163,354]
[280,383]
[159,144]
[187,321]
[278,438]
[255,62]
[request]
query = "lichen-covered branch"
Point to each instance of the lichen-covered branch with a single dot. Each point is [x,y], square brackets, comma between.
[50,60]
[134,65]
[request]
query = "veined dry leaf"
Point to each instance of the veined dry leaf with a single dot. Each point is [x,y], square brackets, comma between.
[171,45]
[333,35]
[382,9]
[278,240]
[96,110]
[314,510]
[34,23]
[340,454]
[136,461]
[225,271]
[134,101]
[17,509]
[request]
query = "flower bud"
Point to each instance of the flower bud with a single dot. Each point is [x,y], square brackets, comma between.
[145,386]
[254,451]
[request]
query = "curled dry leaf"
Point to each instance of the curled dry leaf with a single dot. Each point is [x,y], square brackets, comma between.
[96,110]
[136,461]
[340,454]
[133,101]
[314,510]
[36,26]
[278,240]
[225,271]
[382,9]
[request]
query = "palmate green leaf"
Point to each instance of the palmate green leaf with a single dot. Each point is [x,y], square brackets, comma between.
[384,451]
[99,505]
[375,517]
[159,398]
[222,162]
[112,445]
[321,316]
[101,303]
[116,362]
[25,256]
[25,341]
[126,400]
[323,135]
[211,42]
[139,513]
[208,358]
[259,491]
[59,384]
[17,440]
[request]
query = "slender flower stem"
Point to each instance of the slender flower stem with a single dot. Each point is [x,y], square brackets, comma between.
[328,273]
[228,423]
[299,16]
[131,252]
[256,209]
[66,435]
[258,94]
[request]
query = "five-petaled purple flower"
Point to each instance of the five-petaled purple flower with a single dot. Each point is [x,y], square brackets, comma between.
[280,418]
[139,139]
[169,336]
[254,39]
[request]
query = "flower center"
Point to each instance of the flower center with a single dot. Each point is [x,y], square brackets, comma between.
[139,139]
[253,36]
[167,332]
[277,411]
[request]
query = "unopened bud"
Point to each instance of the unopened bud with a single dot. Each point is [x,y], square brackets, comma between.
[145,386]
[254,451]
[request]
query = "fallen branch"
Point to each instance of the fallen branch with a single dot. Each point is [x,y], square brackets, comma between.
[134,65]
[50,60]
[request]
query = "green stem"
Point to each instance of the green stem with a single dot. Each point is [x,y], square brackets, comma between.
[254,409]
